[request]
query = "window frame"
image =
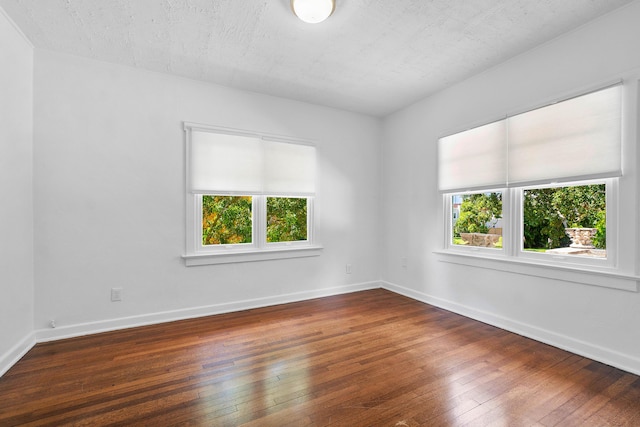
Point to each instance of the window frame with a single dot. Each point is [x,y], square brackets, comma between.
[605,273]
[513,226]
[259,228]
[259,249]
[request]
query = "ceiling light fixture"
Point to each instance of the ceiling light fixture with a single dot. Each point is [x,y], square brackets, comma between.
[313,11]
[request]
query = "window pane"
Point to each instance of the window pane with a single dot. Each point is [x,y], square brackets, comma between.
[568,220]
[477,219]
[226,220]
[286,219]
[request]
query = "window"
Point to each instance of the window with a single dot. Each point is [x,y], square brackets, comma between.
[565,220]
[477,220]
[538,185]
[227,220]
[249,196]
[287,219]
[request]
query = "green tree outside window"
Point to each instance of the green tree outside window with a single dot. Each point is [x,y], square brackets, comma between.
[286,219]
[226,220]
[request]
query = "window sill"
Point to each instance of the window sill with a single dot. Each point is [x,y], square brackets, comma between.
[251,255]
[595,277]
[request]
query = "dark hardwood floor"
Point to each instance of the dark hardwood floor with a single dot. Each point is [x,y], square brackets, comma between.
[370,358]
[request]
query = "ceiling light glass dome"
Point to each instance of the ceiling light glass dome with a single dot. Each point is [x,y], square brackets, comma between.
[313,11]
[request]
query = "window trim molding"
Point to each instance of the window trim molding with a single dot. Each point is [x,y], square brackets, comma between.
[612,279]
[250,255]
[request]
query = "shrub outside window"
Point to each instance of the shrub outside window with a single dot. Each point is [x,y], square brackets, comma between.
[227,220]
[287,219]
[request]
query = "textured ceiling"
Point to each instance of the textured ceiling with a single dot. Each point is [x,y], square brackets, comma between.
[370,56]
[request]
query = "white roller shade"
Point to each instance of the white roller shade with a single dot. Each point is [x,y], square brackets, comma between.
[225,163]
[239,164]
[289,168]
[575,139]
[580,138]
[473,159]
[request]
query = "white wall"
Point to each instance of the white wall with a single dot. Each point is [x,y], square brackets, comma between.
[594,321]
[110,197]
[16,193]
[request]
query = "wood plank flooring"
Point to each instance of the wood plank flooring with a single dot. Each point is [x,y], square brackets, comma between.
[370,358]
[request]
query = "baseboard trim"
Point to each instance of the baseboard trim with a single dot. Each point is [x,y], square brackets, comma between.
[622,361]
[16,352]
[72,331]
[619,360]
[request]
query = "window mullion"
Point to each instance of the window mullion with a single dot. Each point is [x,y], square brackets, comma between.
[448,222]
[309,220]
[612,221]
[194,221]
[513,220]
[260,221]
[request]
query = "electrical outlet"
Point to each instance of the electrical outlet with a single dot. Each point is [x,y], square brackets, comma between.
[116,294]
[348,268]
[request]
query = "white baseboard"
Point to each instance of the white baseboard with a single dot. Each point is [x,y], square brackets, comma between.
[622,361]
[70,331]
[626,362]
[16,352]
[13,355]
